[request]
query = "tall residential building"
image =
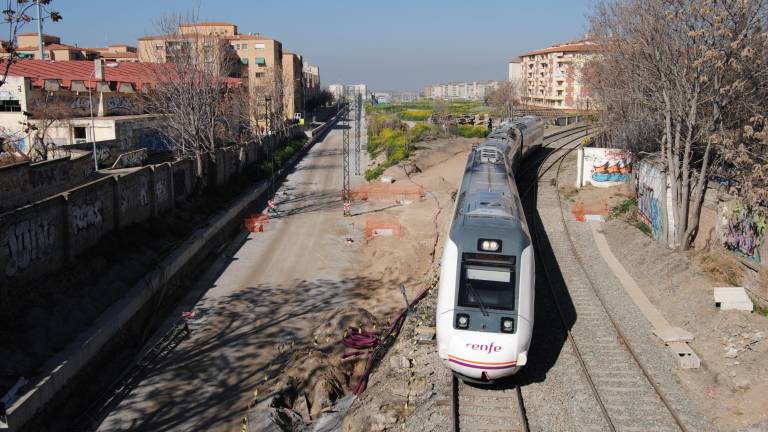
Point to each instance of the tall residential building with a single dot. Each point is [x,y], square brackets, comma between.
[349,90]
[262,60]
[515,70]
[293,73]
[552,76]
[471,90]
[311,81]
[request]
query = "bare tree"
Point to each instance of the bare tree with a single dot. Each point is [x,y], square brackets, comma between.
[193,90]
[17,14]
[505,98]
[675,77]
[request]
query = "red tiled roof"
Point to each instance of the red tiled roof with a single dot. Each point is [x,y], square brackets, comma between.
[119,54]
[67,71]
[577,46]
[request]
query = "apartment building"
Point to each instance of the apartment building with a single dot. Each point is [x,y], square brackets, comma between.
[311,81]
[515,70]
[118,53]
[552,76]
[53,49]
[293,77]
[262,61]
[348,90]
[470,90]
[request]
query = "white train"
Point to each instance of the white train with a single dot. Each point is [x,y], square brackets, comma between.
[486,292]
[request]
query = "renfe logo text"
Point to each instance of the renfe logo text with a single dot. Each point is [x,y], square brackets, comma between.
[482,347]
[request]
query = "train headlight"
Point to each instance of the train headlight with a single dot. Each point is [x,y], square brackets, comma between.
[489,245]
[507,325]
[462,321]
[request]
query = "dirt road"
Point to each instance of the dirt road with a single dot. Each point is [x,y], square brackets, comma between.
[258,299]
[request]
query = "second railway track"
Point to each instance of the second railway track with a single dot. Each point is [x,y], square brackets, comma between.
[627,396]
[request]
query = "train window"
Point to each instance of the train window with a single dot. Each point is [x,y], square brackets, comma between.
[489,280]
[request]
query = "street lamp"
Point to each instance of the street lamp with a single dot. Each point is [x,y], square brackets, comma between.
[97,65]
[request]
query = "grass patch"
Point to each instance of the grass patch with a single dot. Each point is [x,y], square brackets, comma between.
[645,229]
[624,207]
[416,114]
[470,131]
[721,267]
[568,192]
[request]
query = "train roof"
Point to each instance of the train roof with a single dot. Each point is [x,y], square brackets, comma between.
[487,194]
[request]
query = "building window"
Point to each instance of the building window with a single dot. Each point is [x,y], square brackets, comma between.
[261,61]
[9,106]
[159,46]
[79,132]
[244,46]
[244,61]
[259,46]
[259,74]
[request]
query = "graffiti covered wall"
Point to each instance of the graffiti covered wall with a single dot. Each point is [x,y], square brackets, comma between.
[32,239]
[92,213]
[742,230]
[605,167]
[25,183]
[651,191]
[134,197]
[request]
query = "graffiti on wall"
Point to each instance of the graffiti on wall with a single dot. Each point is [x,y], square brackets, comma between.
[606,167]
[649,209]
[86,215]
[119,104]
[135,195]
[151,140]
[743,232]
[28,241]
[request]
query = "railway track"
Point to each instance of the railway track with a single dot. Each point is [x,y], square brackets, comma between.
[627,396]
[487,409]
[499,407]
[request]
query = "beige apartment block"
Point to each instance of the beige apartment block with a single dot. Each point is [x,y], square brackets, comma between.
[293,79]
[268,70]
[311,81]
[552,76]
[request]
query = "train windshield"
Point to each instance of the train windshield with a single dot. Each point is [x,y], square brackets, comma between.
[487,281]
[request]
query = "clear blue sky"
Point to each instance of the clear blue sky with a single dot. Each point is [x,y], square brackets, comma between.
[387,44]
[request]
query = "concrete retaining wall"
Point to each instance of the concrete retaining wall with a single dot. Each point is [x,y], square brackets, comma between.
[32,239]
[76,356]
[24,183]
[91,215]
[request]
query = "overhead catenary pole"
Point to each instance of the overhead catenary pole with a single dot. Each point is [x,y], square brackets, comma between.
[345,130]
[359,125]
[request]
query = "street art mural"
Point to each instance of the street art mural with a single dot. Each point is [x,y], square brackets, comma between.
[27,241]
[743,231]
[604,167]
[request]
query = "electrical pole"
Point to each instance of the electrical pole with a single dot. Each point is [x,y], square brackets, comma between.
[359,107]
[40,30]
[345,130]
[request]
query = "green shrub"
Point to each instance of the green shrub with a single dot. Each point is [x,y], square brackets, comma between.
[470,131]
[623,208]
[416,114]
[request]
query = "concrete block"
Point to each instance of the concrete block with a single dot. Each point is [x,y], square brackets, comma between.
[673,334]
[686,356]
[733,298]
